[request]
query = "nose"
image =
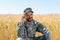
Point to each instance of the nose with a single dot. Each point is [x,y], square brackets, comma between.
[30,16]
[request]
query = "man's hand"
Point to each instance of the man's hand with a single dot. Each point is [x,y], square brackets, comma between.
[23,19]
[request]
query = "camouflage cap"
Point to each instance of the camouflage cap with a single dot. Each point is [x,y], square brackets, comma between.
[28,10]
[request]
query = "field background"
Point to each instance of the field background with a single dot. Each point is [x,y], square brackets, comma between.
[8,24]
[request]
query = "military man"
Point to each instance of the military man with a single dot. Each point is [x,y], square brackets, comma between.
[28,26]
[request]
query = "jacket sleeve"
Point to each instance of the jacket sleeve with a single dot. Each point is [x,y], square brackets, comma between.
[41,28]
[20,30]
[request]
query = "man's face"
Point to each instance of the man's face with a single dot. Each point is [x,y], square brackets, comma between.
[29,16]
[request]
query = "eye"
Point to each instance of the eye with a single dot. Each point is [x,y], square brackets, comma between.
[27,15]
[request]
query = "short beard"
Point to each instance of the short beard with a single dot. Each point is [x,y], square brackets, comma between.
[28,20]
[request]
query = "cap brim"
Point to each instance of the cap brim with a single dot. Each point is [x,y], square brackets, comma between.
[28,11]
[31,11]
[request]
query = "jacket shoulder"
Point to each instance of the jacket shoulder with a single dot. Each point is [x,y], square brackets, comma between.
[35,21]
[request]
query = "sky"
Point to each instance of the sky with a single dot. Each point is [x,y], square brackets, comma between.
[38,6]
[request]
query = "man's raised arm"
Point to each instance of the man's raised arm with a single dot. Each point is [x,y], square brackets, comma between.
[20,30]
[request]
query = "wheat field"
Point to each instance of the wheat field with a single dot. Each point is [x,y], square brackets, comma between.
[8,24]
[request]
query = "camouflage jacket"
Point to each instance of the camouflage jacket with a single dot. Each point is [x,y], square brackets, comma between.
[28,29]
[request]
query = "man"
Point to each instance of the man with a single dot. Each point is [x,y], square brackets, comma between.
[27,28]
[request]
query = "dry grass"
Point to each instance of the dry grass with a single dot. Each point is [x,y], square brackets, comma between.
[8,24]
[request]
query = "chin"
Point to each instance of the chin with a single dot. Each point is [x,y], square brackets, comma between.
[29,20]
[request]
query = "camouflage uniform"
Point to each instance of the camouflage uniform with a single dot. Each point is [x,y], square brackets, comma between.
[27,30]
